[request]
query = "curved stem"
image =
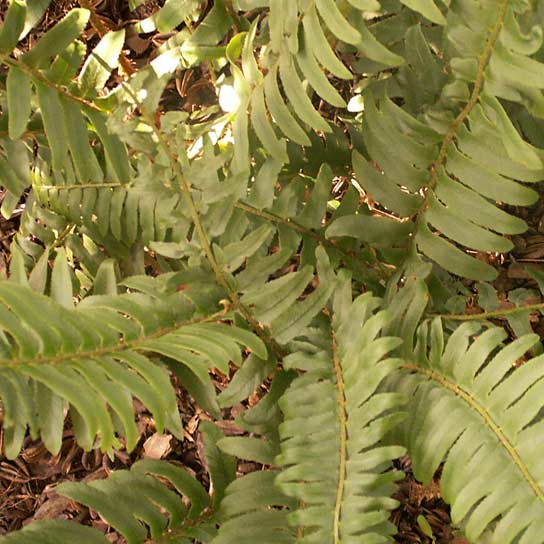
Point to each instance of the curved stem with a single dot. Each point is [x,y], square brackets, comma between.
[63,235]
[61,357]
[36,74]
[73,186]
[450,136]
[484,412]
[476,91]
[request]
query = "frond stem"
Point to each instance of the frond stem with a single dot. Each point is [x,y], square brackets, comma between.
[491,315]
[483,61]
[476,91]
[36,74]
[185,187]
[63,235]
[278,220]
[342,420]
[206,246]
[73,186]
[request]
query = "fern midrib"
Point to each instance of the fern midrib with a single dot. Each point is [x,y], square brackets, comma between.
[491,424]
[74,186]
[290,223]
[483,61]
[342,420]
[491,315]
[184,185]
[109,350]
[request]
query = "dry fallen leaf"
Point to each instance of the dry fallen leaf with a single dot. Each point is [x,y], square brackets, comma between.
[157,446]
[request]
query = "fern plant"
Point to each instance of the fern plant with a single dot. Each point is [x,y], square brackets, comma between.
[315,229]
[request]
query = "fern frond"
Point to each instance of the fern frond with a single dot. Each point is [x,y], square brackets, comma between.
[95,357]
[15,170]
[43,77]
[253,509]
[484,421]
[253,506]
[482,166]
[118,215]
[334,422]
[55,531]
[448,177]
[299,51]
[134,503]
[511,73]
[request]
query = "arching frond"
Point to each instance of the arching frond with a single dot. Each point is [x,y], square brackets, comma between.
[476,407]
[97,357]
[300,52]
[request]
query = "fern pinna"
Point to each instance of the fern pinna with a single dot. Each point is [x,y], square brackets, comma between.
[319,229]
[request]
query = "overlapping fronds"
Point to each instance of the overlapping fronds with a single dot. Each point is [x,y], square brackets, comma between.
[254,509]
[298,51]
[447,174]
[476,406]
[510,73]
[153,240]
[457,199]
[43,74]
[117,215]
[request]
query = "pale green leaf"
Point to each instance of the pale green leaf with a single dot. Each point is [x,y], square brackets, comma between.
[55,40]
[101,62]
[12,28]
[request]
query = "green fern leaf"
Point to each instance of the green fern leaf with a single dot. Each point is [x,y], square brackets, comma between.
[12,28]
[484,422]
[57,38]
[100,63]
[254,509]
[55,531]
[100,364]
[427,8]
[115,500]
[333,426]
